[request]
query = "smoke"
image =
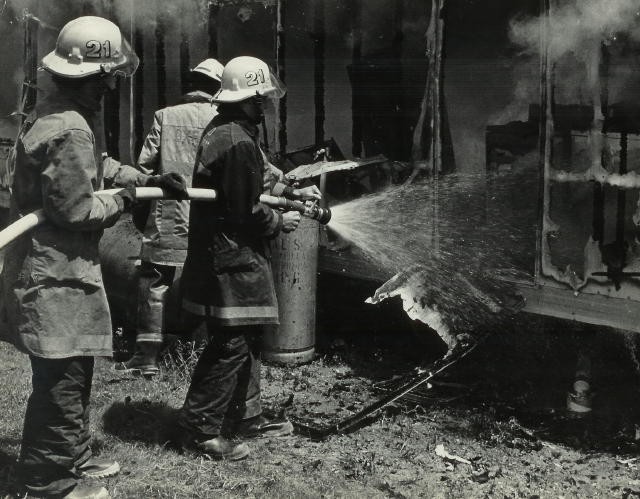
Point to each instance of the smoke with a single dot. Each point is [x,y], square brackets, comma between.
[575,32]
[525,75]
[55,14]
[577,25]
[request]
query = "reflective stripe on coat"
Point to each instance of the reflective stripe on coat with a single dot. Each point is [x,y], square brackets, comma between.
[227,275]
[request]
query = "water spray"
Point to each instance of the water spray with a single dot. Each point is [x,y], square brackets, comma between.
[309,209]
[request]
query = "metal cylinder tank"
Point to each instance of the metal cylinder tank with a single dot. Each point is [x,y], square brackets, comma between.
[295,264]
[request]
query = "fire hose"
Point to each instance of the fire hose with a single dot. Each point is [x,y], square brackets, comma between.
[32,220]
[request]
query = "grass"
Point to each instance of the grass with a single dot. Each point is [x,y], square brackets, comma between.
[133,421]
[180,360]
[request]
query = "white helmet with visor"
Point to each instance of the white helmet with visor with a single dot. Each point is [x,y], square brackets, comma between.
[245,77]
[88,46]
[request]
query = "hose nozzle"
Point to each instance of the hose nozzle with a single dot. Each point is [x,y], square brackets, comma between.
[308,208]
[312,210]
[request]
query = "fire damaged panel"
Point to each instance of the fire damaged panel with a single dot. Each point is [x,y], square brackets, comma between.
[570,223]
[588,130]
[591,187]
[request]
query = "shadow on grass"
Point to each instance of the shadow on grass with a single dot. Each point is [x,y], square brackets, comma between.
[143,421]
[8,468]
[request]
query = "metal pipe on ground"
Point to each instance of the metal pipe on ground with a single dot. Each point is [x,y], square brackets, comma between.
[367,414]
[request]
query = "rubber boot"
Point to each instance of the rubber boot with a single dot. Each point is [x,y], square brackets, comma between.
[260,426]
[222,448]
[88,492]
[144,360]
[99,468]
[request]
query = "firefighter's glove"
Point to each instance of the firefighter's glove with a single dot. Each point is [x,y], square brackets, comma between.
[173,183]
[290,221]
[128,197]
[311,193]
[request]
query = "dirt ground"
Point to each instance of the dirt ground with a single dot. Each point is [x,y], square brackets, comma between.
[501,409]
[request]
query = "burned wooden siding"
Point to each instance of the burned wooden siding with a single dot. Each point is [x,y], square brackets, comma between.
[372,73]
[587,264]
[171,36]
[590,226]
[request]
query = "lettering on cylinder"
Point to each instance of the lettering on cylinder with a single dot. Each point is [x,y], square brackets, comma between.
[295,261]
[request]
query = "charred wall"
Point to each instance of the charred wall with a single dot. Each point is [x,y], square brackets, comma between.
[317,57]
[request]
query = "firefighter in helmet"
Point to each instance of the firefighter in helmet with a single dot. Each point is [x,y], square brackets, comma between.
[227,277]
[54,296]
[170,146]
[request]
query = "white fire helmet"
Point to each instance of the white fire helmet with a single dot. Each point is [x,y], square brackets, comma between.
[211,68]
[88,46]
[245,77]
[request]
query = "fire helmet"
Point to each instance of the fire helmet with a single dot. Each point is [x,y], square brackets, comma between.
[245,77]
[88,46]
[211,68]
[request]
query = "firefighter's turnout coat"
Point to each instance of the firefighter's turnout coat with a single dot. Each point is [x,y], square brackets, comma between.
[170,146]
[53,293]
[227,275]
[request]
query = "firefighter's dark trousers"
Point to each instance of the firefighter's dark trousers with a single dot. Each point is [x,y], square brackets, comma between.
[225,386]
[55,439]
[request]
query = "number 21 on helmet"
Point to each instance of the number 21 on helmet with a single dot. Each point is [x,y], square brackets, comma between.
[89,46]
[245,77]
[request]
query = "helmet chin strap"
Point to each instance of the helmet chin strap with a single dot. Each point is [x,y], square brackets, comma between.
[252,110]
[109,80]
